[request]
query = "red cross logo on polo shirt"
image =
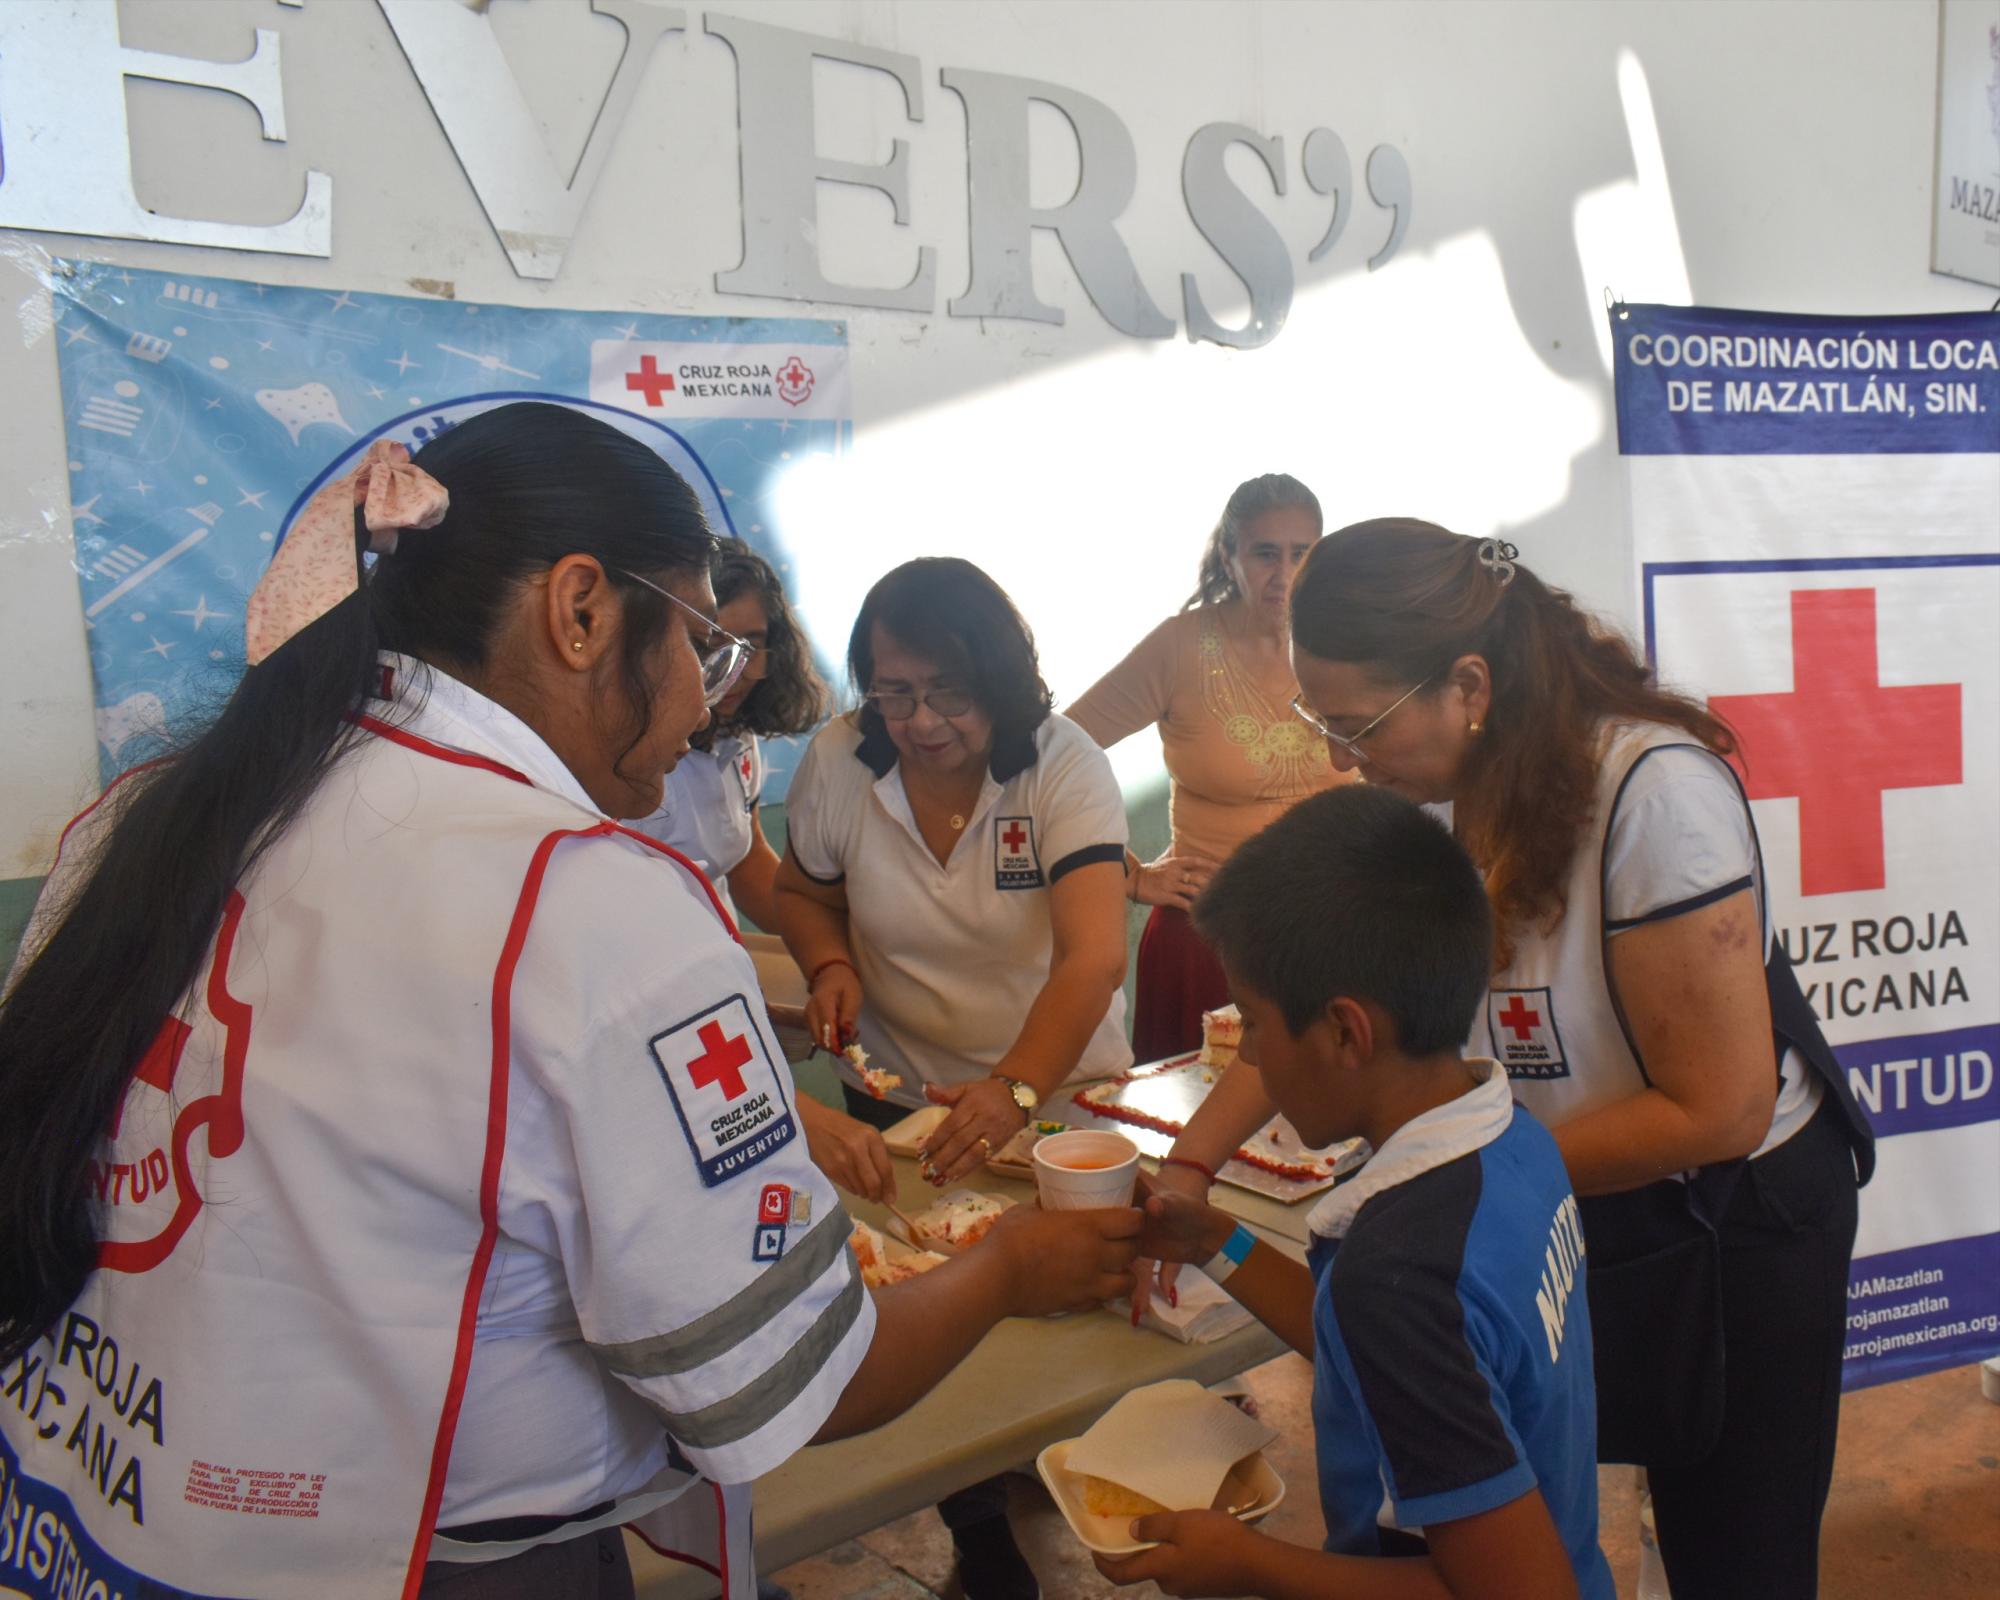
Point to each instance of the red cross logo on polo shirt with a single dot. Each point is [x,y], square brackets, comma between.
[1014,838]
[650,381]
[1520,1019]
[722,1061]
[1841,739]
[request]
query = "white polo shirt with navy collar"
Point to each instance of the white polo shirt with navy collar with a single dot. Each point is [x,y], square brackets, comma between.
[952,955]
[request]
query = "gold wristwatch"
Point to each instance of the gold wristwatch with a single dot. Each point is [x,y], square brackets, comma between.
[1023,1094]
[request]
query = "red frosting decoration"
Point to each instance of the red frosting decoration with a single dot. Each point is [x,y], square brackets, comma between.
[1293,1171]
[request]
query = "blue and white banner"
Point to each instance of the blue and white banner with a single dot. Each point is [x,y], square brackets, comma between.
[1816,514]
[203,412]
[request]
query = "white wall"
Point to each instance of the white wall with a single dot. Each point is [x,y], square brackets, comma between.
[1774,155]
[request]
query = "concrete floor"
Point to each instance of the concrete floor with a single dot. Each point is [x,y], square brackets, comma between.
[1915,1508]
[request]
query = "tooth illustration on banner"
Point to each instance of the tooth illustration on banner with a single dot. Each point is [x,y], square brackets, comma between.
[133,716]
[299,409]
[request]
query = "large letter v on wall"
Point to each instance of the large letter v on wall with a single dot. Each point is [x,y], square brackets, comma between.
[457,59]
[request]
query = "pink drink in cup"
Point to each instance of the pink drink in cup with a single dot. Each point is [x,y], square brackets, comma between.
[1085,1170]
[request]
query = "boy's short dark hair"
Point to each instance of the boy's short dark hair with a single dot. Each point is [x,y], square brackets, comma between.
[1357,892]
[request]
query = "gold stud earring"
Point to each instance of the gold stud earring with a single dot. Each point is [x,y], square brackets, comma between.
[577,644]
[1473,729]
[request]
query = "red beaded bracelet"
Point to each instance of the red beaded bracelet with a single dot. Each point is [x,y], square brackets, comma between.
[832,961]
[1207,1172]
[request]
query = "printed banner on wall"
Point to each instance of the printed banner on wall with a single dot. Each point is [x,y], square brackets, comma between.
[1816,513]
[203,412]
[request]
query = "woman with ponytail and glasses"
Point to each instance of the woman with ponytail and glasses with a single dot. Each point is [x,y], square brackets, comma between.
[709,809]
[1642,1010]
[397,1192]
[1216,680]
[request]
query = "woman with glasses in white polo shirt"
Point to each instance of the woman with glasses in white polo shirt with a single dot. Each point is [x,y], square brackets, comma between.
[1642,1009]
[953,888]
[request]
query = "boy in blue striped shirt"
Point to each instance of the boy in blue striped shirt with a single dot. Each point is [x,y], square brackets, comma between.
[1442,1303]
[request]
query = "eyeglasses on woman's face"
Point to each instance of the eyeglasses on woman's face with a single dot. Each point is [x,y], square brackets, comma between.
[1351,743]
[722,659]
[900,707]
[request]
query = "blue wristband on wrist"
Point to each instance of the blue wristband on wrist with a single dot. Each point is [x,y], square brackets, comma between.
[1234,1252]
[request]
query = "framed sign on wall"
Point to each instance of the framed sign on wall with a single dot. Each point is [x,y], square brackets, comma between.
[1965,215]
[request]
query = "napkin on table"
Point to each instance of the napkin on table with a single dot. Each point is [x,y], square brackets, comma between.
[1204,1314]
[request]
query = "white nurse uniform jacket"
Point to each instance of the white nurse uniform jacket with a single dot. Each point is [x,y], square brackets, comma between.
[463,1205]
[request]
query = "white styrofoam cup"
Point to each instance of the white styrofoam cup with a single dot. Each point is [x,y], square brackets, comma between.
[1108,1179]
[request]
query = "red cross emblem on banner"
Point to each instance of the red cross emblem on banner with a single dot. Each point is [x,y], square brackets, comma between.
[1842,738]
[650,381]
[795,382]
[1520,1018]
[722,1061]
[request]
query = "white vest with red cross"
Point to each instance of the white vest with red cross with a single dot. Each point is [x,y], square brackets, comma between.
[1551,1019]
[257,1391]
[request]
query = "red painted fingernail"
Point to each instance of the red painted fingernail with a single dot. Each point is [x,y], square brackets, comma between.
[1173,1297]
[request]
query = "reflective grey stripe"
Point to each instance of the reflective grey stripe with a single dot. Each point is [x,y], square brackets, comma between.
[769,1393]
[739,1318]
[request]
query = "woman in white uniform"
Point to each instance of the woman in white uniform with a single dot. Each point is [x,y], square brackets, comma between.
[953,888]
[376,1200]
[1642,1009]
[709,808]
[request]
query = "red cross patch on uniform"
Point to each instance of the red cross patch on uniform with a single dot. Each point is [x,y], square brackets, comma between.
[1015,863]
[746,776]
[729,1096]
[1525,1039]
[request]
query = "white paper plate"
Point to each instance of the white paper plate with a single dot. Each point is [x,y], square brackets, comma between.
[1111,1536]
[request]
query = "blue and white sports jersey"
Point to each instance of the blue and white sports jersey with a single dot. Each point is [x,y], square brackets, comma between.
[1453,1367]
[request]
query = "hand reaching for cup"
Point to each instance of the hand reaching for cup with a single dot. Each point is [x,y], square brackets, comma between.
[1172,1179]
[1065,1260]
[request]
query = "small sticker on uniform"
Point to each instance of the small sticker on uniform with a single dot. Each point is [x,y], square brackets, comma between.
[729,1096]
[775,1203]
[1525,1037]
[1015,862]
[770,1242]
[802,1208]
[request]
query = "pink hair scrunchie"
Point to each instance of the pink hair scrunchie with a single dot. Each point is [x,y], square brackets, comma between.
[315,568]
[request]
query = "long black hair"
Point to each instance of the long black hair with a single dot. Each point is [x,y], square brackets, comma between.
[529,484]
[1247,502]
[952,614]
[791,697]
